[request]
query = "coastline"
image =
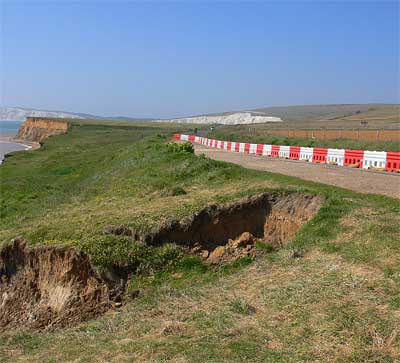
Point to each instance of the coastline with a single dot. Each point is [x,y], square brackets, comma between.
[28,145]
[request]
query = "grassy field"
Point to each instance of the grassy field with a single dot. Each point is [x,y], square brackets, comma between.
[338,302]
[260,136]
[341,115]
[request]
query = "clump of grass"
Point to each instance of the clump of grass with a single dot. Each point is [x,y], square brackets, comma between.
[185,147]
[108,250]
[297,252]
[264,246]
[184,270]
[240,306]
[174,191]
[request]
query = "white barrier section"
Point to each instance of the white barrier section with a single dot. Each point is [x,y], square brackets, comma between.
[374,159]
[335,156]
[284,151]
[306,153]
[267,150]
[253,149]
[371,159]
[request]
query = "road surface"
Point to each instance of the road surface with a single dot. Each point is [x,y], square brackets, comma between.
[358,180]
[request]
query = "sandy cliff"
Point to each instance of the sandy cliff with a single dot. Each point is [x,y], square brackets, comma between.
[37,129]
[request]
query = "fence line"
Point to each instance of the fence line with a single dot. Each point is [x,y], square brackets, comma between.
[362,135]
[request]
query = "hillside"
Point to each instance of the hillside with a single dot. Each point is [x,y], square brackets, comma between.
[274,116]
[299,115]
[345,112]
[126,247]
[20,114]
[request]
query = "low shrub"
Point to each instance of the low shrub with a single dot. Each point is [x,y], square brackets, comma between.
[185,147]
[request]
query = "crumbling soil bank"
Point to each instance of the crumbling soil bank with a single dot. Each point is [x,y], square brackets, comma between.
[47,286]
[274,218]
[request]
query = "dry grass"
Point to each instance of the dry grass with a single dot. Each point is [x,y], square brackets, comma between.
[340,302]
[319,308]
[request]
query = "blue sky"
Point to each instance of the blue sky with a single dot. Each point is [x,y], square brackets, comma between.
[164,59]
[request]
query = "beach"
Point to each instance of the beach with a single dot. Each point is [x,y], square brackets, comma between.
[8,130]
[7,146]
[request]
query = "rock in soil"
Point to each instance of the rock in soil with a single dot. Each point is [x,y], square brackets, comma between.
[240,247]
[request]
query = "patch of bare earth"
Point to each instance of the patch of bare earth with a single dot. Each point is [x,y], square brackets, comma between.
[47,286]
[270,218]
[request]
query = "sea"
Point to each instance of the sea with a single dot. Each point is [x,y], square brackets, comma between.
[9,129]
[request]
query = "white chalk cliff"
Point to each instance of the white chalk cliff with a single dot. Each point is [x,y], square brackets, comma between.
[236,118]
[19,114]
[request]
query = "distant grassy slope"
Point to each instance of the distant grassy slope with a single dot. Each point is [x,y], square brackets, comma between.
[341,300]
[367,112]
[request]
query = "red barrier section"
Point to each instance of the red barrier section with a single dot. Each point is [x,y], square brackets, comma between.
[393,161]
[319,155]
[353,158]
[294,153]
[275,151]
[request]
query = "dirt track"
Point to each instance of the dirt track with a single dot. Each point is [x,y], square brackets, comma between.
[358,180]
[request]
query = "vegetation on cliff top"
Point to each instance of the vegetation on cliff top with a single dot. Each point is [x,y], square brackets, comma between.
[340,299]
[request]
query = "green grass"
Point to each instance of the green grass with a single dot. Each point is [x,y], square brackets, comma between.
[339,299]
[243,135]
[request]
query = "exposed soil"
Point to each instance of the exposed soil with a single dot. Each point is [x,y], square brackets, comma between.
[269,217]
[273,218]
[240,247]
[47,286]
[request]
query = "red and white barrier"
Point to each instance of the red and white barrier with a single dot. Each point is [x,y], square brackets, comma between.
[379,160]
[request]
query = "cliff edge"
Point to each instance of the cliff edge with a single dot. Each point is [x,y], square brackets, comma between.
[37,129]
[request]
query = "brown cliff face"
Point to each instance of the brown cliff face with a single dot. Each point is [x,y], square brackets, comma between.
[37,129]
